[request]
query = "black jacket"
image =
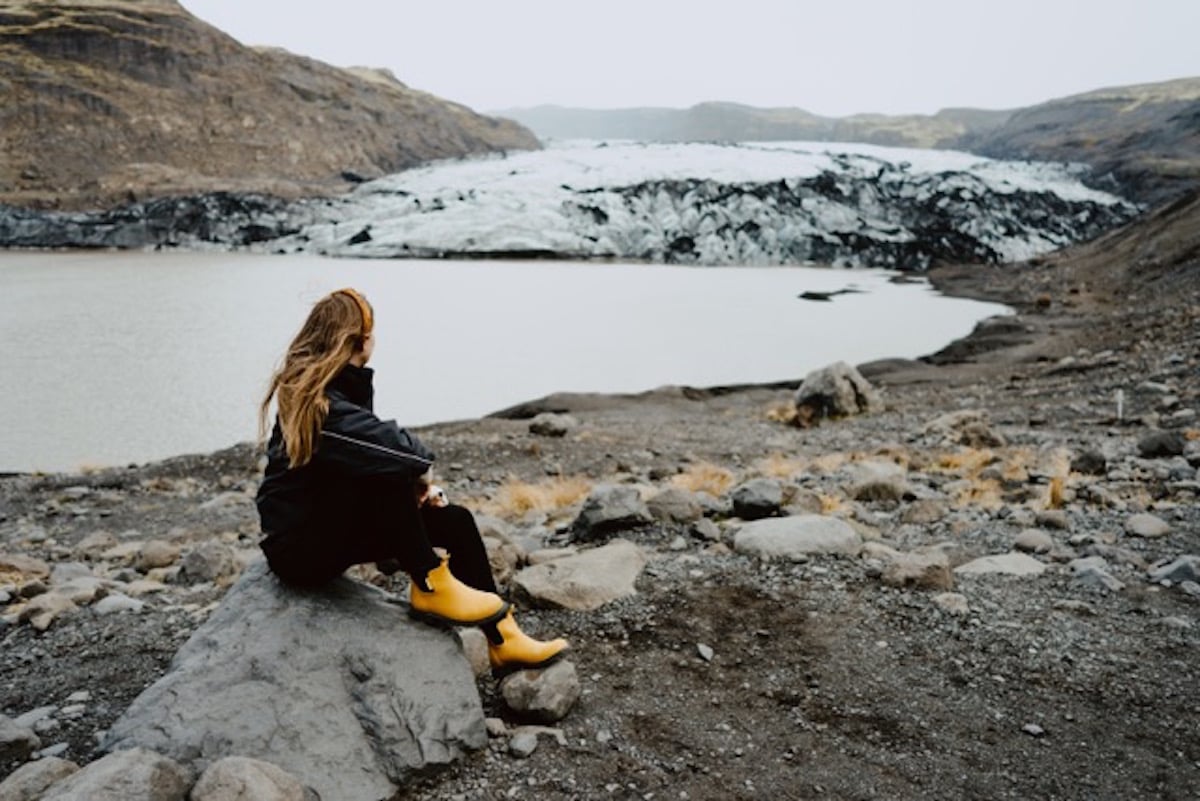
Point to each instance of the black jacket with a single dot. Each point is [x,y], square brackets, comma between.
[353,448]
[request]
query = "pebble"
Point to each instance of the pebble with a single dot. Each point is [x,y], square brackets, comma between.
[1147,526]
[1053,518]
[1190,588]
[1033,730]
[706,652]
[496,727]
[79,697]
[32,717]
[56,750]
[117,602]
[523,744]
[952,602]
[1033,540]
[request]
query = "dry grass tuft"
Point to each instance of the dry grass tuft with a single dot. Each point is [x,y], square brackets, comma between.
[779,466]
[832,504]
[782,412]
[515,498]
[965,462]
[1192,434]
[704,477]
[828,462]
[986,494]
[1054,499]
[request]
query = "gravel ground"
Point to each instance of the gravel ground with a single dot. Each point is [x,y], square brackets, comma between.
[823,680]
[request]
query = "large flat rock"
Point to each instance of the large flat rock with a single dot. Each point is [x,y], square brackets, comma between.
[798,537]
[336,686]
[585,581]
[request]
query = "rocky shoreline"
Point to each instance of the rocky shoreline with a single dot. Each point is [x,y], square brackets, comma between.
[1060,447]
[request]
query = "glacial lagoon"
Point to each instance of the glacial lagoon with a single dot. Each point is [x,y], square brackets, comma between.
[112,358]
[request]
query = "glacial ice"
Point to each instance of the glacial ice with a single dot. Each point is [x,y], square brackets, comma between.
[749,203]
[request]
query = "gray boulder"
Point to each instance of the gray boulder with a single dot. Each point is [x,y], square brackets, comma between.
[837,390]
[208,561]
[610,508]
[797,537]
[336,686]
[30,781]
[134,775]
[757,498]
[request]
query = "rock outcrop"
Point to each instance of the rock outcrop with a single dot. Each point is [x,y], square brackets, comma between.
[337,687]
[113,100]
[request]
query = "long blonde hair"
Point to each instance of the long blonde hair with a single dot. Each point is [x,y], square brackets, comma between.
[336,328]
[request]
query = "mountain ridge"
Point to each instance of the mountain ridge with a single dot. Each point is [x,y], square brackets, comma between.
[110,101]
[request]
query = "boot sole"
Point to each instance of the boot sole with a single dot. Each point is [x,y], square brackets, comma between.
[507,670]
[445,622]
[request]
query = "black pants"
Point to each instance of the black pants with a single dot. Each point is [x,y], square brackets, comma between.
[385,523]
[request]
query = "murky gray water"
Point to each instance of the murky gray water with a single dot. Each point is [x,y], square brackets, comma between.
[109,358]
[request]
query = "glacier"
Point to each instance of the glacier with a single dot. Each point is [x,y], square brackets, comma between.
[715,204]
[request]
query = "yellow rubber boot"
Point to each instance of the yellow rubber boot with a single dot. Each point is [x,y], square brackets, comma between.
[519,651]
[450,601]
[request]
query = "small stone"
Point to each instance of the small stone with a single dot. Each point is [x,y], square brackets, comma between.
[546,695]
[705,529]
[95,544]
[133,774]
[1033,730]
[1077,607]
[16,742]
[56,750]
[1147,526]
[1190,588]
[1185,568]
[209,561]
[1033,540]
[923,512]
[475,648]
[117,602]
[43,610]
[65,571]
[705,651]
[1053,518]
[675,505]
[235,778]
[1090,462]
[1162,444]
[156,553]
[757,498]
[928,570]
[523,744]
[31,781]
[34,716]
[79,697]
[952,603]
[496,727]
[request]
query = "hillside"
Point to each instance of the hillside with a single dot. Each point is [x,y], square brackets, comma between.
[114,100]
[1147,137]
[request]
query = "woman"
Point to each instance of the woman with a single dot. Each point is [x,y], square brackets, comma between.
[343,487]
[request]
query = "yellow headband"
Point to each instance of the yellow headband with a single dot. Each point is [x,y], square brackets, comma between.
[363,307]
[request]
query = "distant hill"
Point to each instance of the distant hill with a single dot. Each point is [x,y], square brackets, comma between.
[110,100]
[1143,141]
[731,122]
[1146,137]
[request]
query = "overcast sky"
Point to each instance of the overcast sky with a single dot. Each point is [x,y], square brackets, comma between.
[834,57]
